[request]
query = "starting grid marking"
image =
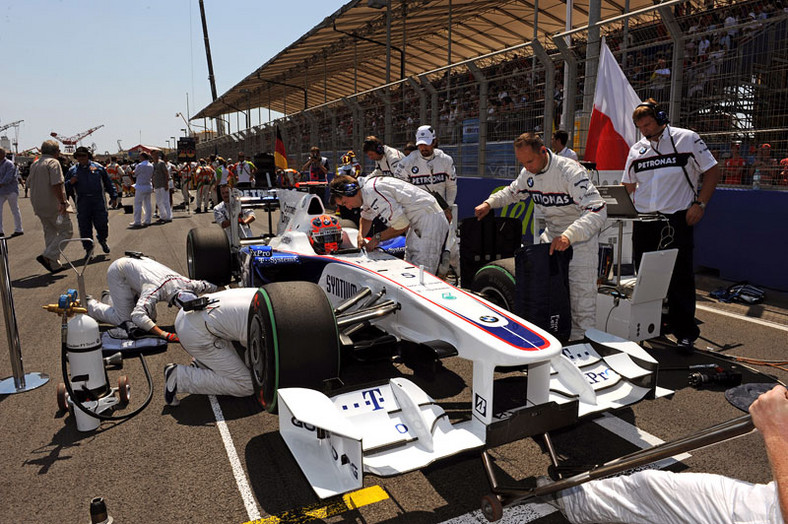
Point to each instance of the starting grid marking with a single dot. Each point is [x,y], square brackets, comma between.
[349,501]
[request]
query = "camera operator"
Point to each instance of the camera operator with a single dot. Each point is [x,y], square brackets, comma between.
[316,165]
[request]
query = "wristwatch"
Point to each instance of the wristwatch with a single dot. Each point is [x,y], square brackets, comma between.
[701,204]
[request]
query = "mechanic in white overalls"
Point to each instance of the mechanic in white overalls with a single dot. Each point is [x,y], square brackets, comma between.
[401,207]
[654,496]
[575,214]
[386,158]
[221,214]
[433,170]
[135,287]
[208,335]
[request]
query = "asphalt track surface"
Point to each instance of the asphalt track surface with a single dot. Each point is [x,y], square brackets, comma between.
[222,460]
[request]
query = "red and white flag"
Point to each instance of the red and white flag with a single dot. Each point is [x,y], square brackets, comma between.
[611,132]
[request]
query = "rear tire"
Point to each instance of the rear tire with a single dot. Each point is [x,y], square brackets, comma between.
[496,283]
[208,256]
[293,339]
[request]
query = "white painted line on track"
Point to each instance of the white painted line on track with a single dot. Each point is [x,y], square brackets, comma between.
[531,511]
[758,321]
[235,463]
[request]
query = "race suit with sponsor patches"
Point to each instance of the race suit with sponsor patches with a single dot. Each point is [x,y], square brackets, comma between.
[164,290]
[667,171]
[388,164]
[208,336]
[435,173]
[399,204]
[572,207]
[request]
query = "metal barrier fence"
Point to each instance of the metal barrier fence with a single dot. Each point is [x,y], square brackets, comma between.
[720,67]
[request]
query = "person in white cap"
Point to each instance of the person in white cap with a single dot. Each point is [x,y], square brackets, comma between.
[136,285]
[209,335]
[433,170]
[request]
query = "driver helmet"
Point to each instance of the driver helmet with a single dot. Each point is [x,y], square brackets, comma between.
[326,234]
[348,158]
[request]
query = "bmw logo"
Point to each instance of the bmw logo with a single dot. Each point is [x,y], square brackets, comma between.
[414,169]
[530,181]
[488,319]
[642,150]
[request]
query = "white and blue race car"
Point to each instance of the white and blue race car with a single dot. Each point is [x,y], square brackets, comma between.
[396,427]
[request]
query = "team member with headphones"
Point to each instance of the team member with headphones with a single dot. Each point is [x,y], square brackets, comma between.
[386,158]
[663,172]
[574,212]
[401,207]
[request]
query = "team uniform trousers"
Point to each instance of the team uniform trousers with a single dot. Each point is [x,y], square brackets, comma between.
[572,207]
[92,212]
[208,336]
[163,203]
[13,203]
[662,497]
[653,236]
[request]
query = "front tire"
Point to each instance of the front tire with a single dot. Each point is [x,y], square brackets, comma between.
[496,282]
[293,339]
[208,256]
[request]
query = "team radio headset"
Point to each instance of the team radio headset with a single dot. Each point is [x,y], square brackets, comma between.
[662,120]
[351,189]
[378,145]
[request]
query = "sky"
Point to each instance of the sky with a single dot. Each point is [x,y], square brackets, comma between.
[132,65]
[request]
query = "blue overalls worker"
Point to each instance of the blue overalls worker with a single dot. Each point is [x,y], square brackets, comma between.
[89,181]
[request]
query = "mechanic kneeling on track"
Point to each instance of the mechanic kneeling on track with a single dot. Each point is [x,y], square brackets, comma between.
[402,207]
[136,285]
[208,334]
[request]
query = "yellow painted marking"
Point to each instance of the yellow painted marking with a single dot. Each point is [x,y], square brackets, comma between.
[350,501]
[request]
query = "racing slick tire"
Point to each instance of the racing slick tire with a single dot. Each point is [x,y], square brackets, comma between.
[293,340]
[496,283]
[208,255]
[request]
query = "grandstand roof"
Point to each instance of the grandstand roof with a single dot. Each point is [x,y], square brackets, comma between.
[319,66]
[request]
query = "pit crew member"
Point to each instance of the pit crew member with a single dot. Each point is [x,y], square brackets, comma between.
[89,180]
[136,285]
[402,207]
[386,158]
[574,212]
[221,214]
[208,335]
[663,172]
[662,496]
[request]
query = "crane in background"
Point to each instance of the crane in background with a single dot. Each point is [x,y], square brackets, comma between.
[71,141]
[15,125]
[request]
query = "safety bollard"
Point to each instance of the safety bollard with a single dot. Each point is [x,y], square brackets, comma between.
[20,381]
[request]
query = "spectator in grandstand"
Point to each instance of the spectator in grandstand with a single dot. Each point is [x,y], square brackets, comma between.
[48,198]
[245,171]
[783,179]
[221,214]
[143,188]
[386,158]
[9,192]
[316,165]
[402,208]
[90,181]
[701,498]
[734,166]
[765,166]
[558,144]
[660,78]
[670,186]
[161,187]
[575,214]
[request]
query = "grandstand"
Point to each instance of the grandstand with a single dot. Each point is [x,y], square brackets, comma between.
[483,71]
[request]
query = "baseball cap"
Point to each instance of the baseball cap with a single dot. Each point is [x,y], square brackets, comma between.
[425,135]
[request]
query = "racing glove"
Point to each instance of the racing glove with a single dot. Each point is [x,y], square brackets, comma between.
[171,337]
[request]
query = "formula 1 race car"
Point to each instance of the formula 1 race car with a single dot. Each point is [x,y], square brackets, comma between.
[355,299]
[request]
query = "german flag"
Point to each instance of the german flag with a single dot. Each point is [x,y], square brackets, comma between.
[280,157]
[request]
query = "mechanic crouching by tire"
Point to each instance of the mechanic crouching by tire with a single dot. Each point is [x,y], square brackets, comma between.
[208,333]
[402,207]
[575,214]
